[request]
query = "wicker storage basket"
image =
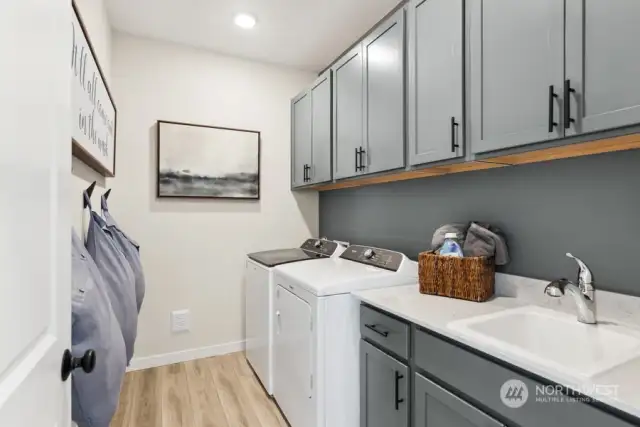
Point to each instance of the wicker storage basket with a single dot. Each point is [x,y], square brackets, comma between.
[470,278]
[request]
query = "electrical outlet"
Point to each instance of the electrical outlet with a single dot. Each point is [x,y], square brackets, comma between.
[180,321]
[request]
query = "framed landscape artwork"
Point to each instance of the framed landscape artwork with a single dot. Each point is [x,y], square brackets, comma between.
[208,162]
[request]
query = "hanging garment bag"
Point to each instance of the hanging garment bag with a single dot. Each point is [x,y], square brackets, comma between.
[117,275]
[129,248]
[94,326]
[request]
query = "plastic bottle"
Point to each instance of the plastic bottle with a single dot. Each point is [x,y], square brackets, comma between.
[451,247]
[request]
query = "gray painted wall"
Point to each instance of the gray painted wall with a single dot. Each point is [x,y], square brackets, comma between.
[589,206]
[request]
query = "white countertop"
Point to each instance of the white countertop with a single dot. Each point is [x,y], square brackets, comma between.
[435,313]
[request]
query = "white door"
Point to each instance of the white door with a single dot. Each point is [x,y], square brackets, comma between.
[258,322]
[35,239]
[293,358]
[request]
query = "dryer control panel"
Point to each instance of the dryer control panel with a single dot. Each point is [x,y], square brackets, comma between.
[382,258]
[320,246]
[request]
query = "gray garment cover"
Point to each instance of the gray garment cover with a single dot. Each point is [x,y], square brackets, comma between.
[118,276]
[129,248]
[94,326]
[485,240]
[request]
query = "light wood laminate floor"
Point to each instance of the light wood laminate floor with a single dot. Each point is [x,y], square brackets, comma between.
[217,392]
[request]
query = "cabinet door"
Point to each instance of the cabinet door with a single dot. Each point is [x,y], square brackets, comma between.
[436,407]
[436,82]
[347,113]
[602,64]
[516,72]
[301,138]
[384,96]
[321,129]
[384,389]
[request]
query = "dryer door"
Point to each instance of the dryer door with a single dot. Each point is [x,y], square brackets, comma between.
[293,357]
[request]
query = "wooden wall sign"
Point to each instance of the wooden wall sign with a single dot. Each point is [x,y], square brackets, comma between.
[93,111]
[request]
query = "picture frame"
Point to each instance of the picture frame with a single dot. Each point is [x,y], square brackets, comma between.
[94,115]
[207,162]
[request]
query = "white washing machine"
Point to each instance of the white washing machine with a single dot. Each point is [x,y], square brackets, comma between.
[317,335]
[259,299]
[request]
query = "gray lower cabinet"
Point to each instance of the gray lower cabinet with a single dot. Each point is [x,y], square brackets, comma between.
[436,407]
[436,80]
[516,72]
[384,390]
[454,386]
[483,380]
[321,130]
[384,96]
[602,64]
[300,139]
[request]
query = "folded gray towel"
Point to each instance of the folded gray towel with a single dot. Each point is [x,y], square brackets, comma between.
[438,236]
[485,240]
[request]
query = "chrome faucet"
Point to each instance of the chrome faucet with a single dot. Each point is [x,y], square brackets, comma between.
[583,294]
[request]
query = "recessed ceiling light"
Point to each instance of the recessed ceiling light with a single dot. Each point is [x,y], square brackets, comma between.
[244,20]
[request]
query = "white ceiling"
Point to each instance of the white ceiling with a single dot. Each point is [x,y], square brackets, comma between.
[304,34]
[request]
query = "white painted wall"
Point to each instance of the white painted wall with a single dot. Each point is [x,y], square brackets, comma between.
[94,17]
[193,251]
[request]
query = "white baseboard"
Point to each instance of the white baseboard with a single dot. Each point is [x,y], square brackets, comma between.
[138,363]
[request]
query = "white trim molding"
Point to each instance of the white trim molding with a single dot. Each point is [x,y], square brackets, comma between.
[139,363]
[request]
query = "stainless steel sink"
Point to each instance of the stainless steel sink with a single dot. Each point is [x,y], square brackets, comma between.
[553,339]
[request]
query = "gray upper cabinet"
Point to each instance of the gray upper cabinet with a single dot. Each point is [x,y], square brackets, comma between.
[516,55]
[348,137]
[384,96]
[300,138]
[436,80]
[384,391]
[436,407]
[602,64]
[321,130]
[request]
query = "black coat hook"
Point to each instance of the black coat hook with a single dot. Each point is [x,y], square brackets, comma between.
[106,195]
[88,192]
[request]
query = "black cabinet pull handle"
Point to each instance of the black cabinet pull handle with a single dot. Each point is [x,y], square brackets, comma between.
[361,154]
[568,90]
[357,155]
[398,401]
[552,98]
[454,127]
[375,329]
[304,173]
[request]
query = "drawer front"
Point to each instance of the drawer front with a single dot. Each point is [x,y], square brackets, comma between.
[482,381]
[389,333]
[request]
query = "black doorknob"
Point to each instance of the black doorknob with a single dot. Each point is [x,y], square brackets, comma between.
[70,363]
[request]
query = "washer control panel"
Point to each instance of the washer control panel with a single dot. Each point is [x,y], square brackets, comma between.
[320,246]
[382,258]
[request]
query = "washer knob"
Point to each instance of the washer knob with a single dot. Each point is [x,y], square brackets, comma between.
[368,254]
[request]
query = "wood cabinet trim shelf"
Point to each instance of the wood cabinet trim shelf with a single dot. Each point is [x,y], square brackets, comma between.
[620,143]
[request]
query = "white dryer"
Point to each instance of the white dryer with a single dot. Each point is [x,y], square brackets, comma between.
[317,336]
[259,300]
